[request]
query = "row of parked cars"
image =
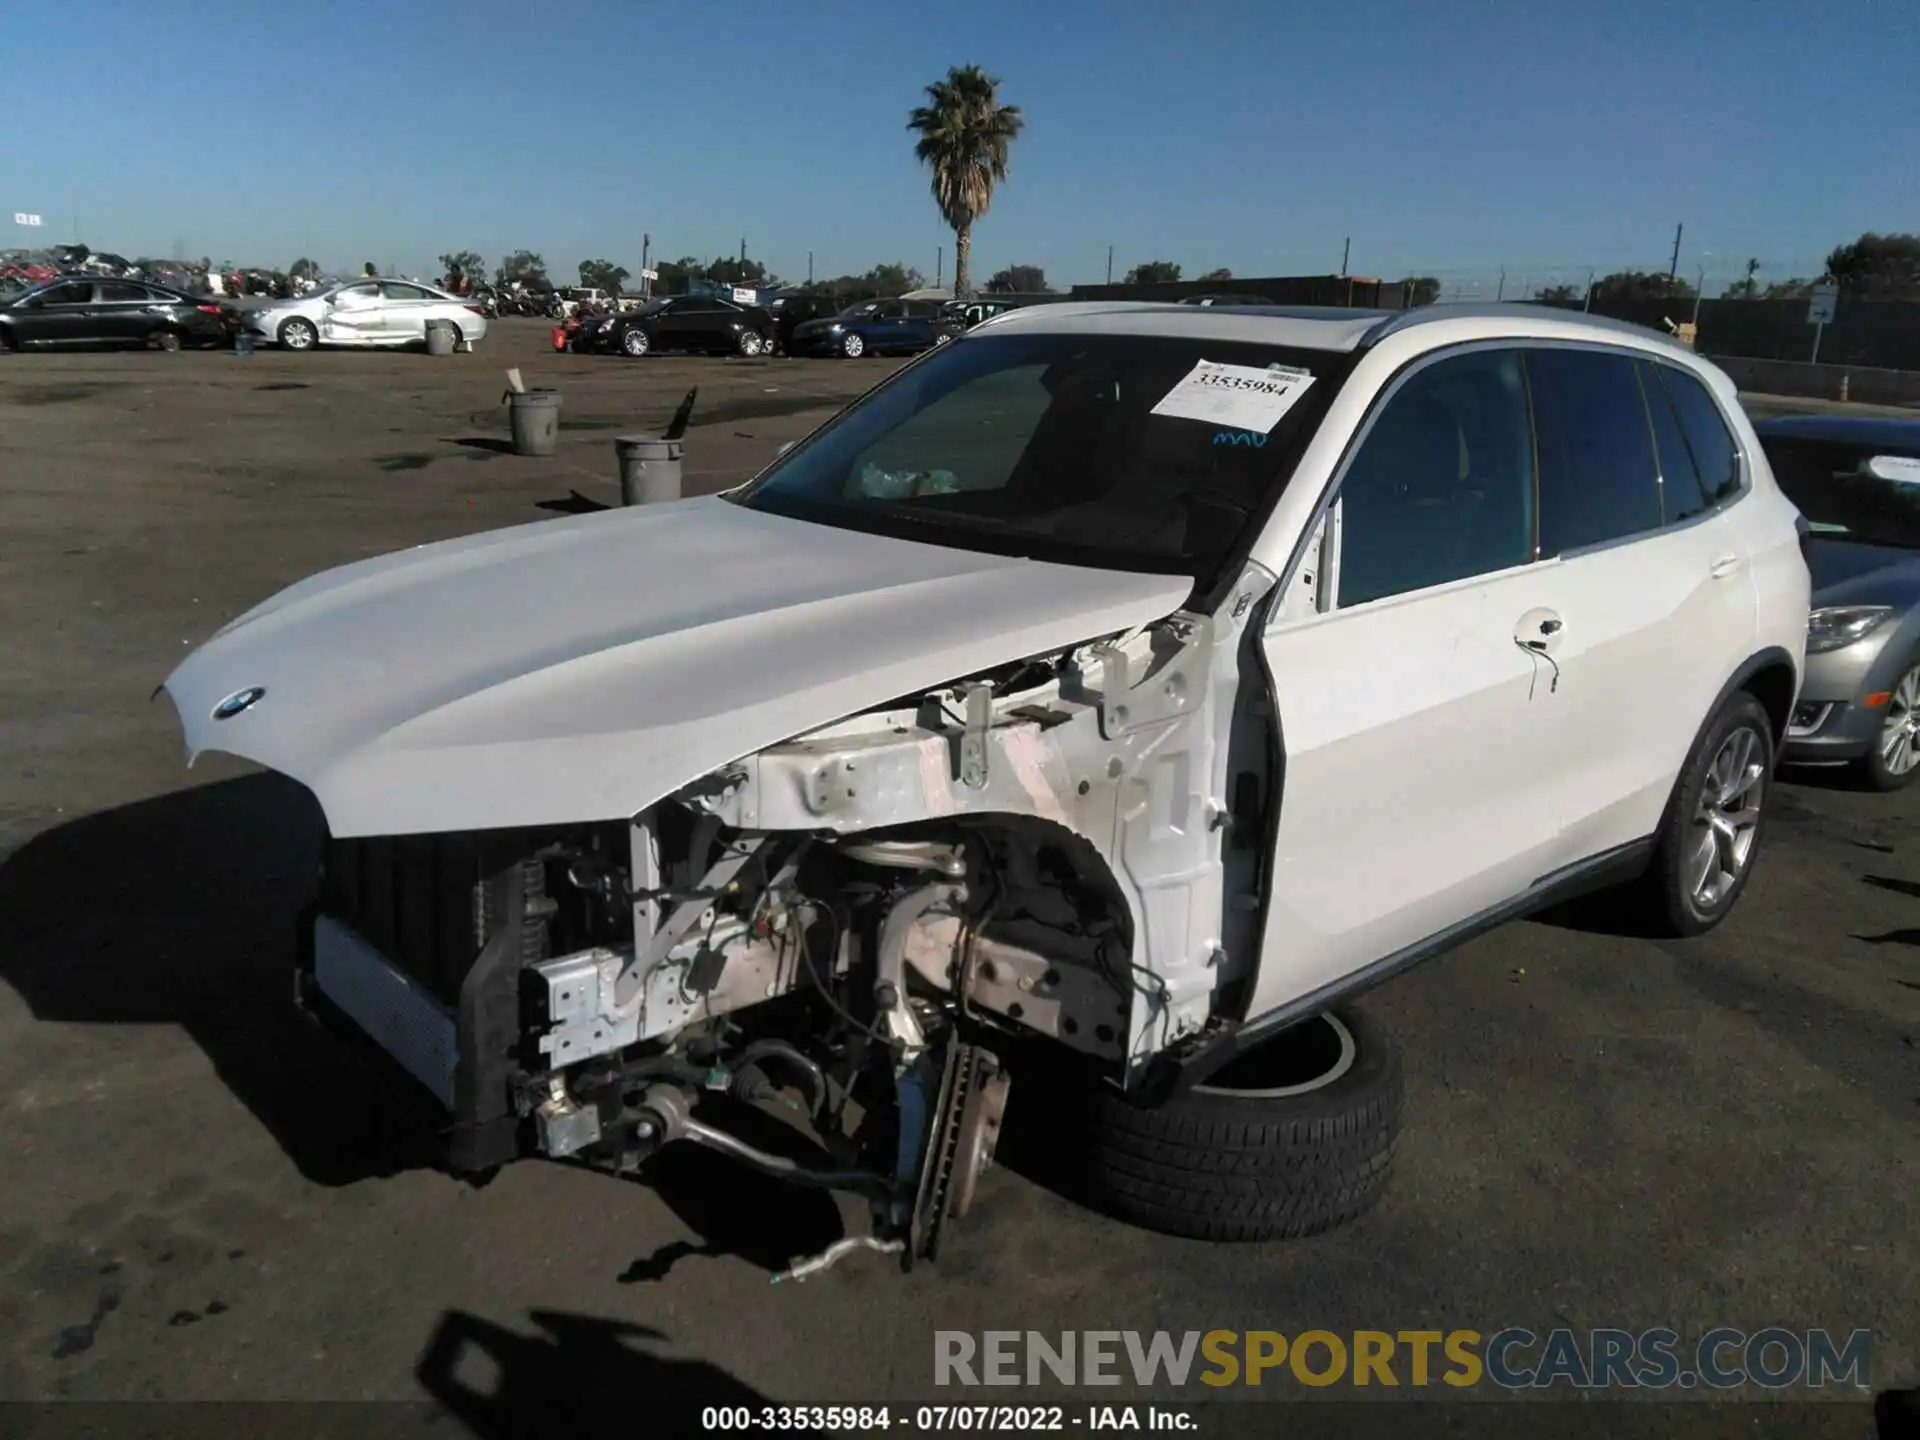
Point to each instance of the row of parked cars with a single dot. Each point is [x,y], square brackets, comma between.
[84,310]
[90,310]
[794,325]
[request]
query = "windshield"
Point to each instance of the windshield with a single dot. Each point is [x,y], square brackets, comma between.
[1832,484]
[1062,447]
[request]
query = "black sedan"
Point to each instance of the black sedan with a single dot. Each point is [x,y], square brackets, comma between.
[687,322]
[76,310]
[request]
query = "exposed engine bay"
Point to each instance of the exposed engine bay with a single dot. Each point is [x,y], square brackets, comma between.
[855,929]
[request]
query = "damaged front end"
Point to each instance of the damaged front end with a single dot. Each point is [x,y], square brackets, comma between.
[859,929]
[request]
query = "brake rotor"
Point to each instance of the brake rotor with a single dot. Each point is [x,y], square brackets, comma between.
[960,1145]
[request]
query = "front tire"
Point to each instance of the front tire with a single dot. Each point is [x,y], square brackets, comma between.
[1710,836]
[298,334]
[751,345]
[853,347]
[1894,759]
[634,343]
[1290,1139]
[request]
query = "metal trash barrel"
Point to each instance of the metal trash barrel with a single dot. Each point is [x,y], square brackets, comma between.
[649,468]
[440,335]
[535,416]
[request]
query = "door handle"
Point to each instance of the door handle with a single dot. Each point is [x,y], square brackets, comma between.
[1538,631]
[1724,566]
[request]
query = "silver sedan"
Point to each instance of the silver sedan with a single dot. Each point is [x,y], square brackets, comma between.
[1857,482]
[364,313]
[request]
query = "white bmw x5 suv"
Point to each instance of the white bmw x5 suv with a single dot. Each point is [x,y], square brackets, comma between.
[1060,736]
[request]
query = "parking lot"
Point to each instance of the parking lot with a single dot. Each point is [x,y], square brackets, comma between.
[203,1198]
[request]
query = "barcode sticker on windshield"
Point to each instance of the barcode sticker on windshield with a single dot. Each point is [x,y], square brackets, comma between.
[1235,395]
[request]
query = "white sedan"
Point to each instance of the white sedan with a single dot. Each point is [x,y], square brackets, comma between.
[364,313]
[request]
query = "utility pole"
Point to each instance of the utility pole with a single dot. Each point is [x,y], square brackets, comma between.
[1501,293]
[1109,264]
[1346,253]
[939,265]
[743,252]
[1673,270]
[1699,290]
[809,268]
[646,249]
[1588,304]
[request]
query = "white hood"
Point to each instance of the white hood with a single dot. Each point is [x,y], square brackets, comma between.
[580,669]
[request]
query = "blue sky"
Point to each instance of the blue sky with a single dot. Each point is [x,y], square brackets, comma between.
[1445,139]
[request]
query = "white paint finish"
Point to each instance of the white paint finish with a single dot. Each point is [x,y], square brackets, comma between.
[1419,774]
[580,669]
[1650,635]
[1765,525]
[367,319]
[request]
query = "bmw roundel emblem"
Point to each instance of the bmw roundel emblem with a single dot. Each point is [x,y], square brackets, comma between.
[238,701]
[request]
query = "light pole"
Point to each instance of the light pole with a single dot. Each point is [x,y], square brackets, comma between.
[1700,289]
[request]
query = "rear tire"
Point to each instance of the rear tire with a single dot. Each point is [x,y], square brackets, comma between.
[168,340]
[1710,836]
[1291,1139]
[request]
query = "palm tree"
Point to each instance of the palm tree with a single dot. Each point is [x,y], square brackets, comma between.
[964,133]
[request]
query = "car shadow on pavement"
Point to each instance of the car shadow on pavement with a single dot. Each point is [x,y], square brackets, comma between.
[181,910]
[1896,1415]
[573,504]
[578,1375]
[737,1210]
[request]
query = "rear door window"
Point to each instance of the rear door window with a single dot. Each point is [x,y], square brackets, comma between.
[122,293]
[1598,477]
[1715,455]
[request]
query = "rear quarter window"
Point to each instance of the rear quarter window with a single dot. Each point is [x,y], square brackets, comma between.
[1715,456]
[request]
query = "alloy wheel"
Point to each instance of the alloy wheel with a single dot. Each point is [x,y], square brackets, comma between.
[1900,731]
[1727,818]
